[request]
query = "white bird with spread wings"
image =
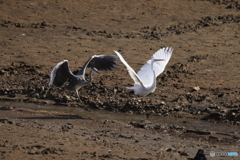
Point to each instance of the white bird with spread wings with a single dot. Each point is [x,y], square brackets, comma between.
[145,79]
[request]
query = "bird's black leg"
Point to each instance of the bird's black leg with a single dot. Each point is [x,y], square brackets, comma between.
[78,96]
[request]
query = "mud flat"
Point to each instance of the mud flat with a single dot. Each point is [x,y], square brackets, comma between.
[31,131]
[199,86]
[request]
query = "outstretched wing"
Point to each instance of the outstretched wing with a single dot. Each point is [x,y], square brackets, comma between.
[131,72]
[146,74]
[164,53]
[99,62]
[60,74]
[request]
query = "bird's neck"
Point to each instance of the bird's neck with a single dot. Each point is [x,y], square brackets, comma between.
[90,77]
[152,61]
[152,68]
[154,75]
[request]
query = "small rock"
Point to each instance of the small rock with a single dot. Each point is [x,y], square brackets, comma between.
[42,88]
[182,153]
[45,102]
[162,103]
[115,91]
[66,98]
[197,88]
[224,111]
[106,121]
[177,108]
[169,149]
[2,72]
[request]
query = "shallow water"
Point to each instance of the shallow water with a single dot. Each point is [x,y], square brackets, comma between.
[125,117]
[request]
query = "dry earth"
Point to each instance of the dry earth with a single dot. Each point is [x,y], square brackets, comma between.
[201,80]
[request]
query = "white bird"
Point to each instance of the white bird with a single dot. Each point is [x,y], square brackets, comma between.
[145,79]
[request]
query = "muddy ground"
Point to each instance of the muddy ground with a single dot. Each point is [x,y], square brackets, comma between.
[200,82]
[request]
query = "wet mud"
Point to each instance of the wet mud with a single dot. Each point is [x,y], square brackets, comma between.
[199,84]
[56,132]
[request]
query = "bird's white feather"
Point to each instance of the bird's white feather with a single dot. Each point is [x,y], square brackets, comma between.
[146,73]
[131,72]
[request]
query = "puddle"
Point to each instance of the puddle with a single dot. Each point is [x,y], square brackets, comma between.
[124,117]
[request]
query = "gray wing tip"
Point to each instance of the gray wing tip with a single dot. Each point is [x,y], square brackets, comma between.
[103,62]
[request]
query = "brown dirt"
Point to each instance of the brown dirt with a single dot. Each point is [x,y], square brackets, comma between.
[36,35]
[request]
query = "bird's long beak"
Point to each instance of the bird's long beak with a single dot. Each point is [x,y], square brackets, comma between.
[159,59]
